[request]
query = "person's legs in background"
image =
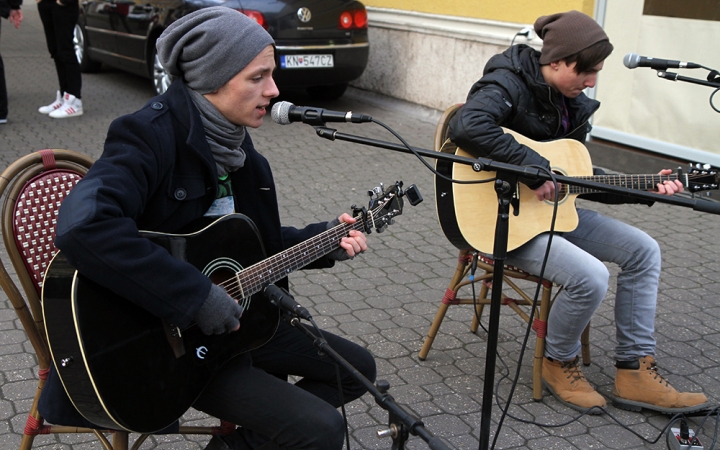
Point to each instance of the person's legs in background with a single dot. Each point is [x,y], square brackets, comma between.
[59,25]
[3,94]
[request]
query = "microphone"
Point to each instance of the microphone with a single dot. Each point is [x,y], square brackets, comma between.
[633,60]
[285,113]
[283,300]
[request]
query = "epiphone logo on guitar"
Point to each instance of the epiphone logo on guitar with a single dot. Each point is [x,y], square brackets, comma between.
[201,352]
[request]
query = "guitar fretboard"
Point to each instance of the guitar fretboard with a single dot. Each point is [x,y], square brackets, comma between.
[639,182]
[254,278]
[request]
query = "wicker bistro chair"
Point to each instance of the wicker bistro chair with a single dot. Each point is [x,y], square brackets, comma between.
[34,187]
[514,279]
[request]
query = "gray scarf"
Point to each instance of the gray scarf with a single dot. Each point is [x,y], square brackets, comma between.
[223,136]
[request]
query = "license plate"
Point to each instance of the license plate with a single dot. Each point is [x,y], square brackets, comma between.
[306,61]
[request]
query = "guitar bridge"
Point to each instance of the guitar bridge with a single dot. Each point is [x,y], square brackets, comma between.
[174,338]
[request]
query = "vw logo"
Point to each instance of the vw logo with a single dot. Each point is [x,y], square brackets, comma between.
[304,14]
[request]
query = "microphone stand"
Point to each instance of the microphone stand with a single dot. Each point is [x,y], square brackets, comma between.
[507,176]
[401,423]
[675,77]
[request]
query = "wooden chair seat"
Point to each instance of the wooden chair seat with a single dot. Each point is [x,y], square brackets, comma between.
[523,305]
[34,187]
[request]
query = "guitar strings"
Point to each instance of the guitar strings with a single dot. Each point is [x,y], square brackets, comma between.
[251,280]
[637,181]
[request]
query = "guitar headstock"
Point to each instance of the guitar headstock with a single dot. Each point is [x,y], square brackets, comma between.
[700,177]
[385,204]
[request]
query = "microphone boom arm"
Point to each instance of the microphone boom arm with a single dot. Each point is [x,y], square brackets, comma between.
[672,76]
[529,173]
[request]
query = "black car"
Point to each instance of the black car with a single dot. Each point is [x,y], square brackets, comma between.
[321,44]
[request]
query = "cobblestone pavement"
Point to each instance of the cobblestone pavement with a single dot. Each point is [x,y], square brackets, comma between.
[387,298]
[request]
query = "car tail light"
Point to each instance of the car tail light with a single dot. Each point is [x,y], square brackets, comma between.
[354,19]
[360,17]
[257,16]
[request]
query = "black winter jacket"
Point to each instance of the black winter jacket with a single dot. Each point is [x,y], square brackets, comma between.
[157,173]
[512,93]
[8,5]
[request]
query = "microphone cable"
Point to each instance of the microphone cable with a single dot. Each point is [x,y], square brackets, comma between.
[338,377]
[424,162]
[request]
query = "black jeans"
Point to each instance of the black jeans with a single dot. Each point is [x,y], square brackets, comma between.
[59,24]
[251,391]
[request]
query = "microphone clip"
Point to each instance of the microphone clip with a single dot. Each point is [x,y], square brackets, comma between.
[325,132]
[312,117]
[285,301]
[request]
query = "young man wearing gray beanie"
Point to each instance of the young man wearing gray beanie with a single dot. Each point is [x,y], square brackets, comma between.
[187,154]
[540,95]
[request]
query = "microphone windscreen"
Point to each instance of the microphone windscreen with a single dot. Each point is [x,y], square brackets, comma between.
[281,112]
[631,60]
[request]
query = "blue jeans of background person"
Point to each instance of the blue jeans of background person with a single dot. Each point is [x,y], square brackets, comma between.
[250,390]
[59,24]
[576,261]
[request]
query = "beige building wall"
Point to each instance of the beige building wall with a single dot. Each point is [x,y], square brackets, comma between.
[430,52]
[504,11]
[674,118]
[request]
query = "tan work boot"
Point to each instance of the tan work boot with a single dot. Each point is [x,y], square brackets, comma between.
[567,383]
[638,385]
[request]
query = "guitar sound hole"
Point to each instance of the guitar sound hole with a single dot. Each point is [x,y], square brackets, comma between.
[223,270]
[221,275]
[563,193]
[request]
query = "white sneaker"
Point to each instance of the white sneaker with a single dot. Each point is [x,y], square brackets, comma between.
[52,106]
[71,107]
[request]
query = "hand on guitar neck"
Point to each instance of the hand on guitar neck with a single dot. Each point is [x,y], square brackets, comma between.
[355,242]
[668,187]
[546,192]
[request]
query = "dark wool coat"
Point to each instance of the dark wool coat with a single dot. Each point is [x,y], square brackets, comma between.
[157,173]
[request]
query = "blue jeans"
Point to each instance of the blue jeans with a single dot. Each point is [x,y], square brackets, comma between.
[576,262]
[251,391]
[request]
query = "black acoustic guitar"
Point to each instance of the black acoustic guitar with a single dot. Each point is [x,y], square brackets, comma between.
[123,368]
[468,212]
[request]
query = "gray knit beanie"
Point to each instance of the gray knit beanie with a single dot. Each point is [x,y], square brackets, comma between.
[210,46]
[567,33]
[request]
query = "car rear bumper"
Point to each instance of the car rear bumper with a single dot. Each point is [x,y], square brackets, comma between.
[349,63]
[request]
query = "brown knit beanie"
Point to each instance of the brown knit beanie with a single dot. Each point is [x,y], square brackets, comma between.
[567,33]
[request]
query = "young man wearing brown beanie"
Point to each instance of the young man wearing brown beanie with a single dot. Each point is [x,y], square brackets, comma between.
[187,154]
[540,95]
